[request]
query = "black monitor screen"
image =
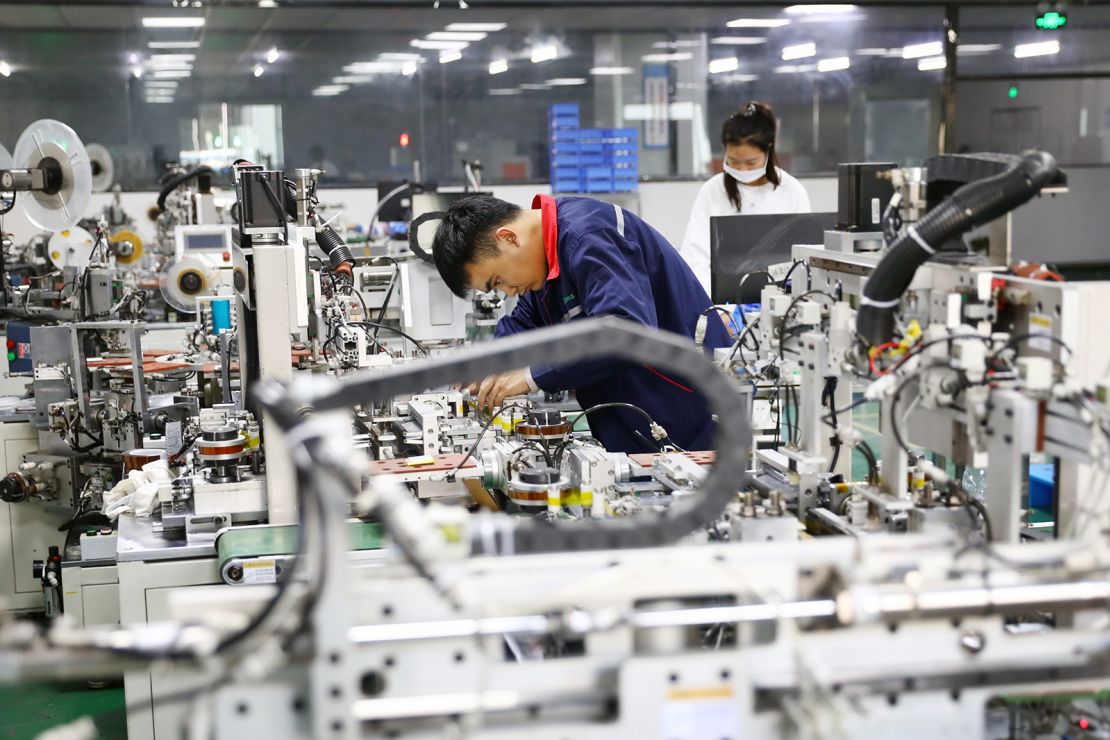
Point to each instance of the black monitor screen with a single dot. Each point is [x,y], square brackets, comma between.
[744,244]
[397,208]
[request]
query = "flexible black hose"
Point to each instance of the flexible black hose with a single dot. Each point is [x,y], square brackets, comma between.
[177,181]
[972,205]
[334,247]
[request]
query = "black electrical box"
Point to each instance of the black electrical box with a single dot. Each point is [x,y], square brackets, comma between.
[863,194]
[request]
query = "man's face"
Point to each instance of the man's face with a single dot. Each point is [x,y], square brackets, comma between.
[519,268]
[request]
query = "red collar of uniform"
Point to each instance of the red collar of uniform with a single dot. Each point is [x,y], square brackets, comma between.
[550,226]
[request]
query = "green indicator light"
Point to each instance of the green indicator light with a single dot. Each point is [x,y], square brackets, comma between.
[1051,21]
[1012,92]
[11,356]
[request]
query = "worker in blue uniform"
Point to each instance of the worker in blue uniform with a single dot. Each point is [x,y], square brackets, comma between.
[572,258]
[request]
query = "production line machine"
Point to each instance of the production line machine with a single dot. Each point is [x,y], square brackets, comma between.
[310,526]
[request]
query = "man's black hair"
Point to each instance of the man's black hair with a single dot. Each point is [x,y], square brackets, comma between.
[466,236]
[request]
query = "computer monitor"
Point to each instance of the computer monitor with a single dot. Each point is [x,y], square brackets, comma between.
[397,208]
[744,244]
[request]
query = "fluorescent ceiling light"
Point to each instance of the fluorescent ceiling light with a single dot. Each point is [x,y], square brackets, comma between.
[364,68]
[978,48]
[456,36]
[258,70]
[164,59]
[1038,49]
[267,3]
[759,23]
[485,27]
[727,64]
[170,74]
[450,56]
[168,84]
[329,90]
[917,51]
[681,56]
[791,69]
[834,64]
[820,9]
[799,51]
[272,55]
[736,79]
[352,79]
[535,86]
[174,44]
[409,69]
[136,72]
[438,45]
[133,58]
[498,66]
[544,54]
[738,40]
[173,22]
[400,56]
[878,52]
[601,71]
[929,64]
[5,69]
[567,81]
[504,91]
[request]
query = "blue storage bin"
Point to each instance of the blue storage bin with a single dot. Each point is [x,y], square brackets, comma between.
[625,185]
[599,186]
[566,135]
[564,147]
[566,173]
[557,108]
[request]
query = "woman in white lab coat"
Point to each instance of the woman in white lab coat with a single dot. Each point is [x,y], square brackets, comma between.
[751,183]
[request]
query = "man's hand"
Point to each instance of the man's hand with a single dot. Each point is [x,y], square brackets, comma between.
[493,391]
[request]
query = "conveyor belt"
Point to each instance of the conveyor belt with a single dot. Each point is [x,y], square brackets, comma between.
[254,555]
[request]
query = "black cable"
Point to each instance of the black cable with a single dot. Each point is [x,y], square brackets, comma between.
[790,309]
[724,312]
[786,278]
[872,462]
[748,331]
[615,405]
[393,329]
[828,398]
[450,475]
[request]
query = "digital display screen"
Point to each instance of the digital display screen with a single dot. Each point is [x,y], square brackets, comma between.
[213,242]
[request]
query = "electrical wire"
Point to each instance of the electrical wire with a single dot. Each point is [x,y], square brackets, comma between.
[726,313]
[393,329]
[450,474]
[786,277]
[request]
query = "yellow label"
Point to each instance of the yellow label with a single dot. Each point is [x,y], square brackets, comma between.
[419,460]
[701,692]
[258,564]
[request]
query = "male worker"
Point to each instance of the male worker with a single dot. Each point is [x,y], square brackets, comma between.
[576,257]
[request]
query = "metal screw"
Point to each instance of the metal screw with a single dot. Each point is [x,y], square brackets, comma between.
[973,642]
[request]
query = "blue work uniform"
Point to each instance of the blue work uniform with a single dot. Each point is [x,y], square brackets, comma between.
[604,261]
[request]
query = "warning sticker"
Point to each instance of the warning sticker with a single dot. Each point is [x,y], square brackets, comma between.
[1040,327]
[259,571]
[692,714]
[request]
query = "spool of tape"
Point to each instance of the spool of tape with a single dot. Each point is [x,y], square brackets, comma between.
[48,139]
[127,246]
[103,170]
[70,248]
[186,278]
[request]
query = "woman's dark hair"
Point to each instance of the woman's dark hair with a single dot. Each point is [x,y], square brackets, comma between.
[753,124]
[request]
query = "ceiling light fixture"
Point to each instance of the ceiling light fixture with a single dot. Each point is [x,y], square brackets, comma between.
[929,64]
[799,51]
[456,36]
[602,71]
[272,55]
[173,22]
[917,51]
[738,40]
[1038,49]
[727,64]
[258,70]
[680,56]
[174,44]
[450,56]
[498,66]
[544,54]
[834,64]
[759,23]
[438,45]
[483,27]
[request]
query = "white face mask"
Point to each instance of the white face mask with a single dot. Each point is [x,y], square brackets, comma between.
[746,177]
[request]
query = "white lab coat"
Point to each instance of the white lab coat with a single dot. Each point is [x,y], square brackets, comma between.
[712,200]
